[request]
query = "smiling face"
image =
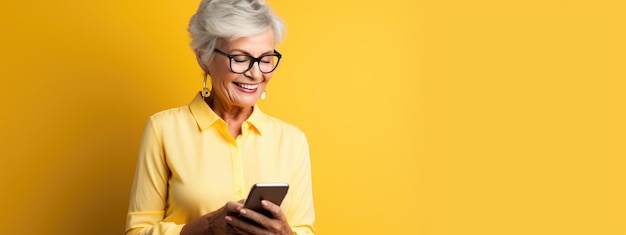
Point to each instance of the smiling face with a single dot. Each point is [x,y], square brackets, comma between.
[240,90]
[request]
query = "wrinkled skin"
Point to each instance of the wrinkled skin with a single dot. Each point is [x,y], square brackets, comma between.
[227,221]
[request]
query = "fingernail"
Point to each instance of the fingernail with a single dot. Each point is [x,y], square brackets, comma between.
[242,211]
[264,202]
[229,219]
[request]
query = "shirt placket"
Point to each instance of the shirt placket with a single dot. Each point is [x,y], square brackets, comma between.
[237,163]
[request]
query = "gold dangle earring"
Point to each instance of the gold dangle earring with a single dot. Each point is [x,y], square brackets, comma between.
[263,95]
[205,91]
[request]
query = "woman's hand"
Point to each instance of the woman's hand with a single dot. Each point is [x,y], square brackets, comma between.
[277,225]
[214,223]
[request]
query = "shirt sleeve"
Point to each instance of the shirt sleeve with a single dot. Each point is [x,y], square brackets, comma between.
[301,212]
[148,196]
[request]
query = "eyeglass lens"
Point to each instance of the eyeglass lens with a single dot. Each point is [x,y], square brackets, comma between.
[242,63]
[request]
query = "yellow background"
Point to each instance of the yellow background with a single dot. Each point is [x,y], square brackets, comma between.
[424,117]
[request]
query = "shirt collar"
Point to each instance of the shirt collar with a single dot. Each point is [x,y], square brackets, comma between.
[206,117]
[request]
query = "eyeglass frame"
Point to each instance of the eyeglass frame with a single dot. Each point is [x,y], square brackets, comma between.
[252,58]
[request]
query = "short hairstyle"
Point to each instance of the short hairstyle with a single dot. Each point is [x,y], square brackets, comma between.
[230,20]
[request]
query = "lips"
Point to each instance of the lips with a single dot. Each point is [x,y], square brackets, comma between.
[250,87]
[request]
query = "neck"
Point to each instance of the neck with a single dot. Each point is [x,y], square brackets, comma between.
[233,115]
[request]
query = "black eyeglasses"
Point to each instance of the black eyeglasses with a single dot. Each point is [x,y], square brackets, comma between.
[241,63]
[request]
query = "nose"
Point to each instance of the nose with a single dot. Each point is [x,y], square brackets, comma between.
[255,72]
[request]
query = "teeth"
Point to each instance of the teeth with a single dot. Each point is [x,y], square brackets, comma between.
[247,86]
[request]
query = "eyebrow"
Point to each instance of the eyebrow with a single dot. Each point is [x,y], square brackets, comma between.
[247,53]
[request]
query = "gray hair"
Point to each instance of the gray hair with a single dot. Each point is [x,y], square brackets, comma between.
[230,20]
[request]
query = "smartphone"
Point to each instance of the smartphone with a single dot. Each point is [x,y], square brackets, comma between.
[273,192]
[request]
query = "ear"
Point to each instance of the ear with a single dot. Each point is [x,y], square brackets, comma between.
[203,64]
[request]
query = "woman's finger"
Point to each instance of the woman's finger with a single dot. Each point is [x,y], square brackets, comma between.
[277,213]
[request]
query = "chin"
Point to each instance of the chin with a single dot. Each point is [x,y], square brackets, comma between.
[247,102]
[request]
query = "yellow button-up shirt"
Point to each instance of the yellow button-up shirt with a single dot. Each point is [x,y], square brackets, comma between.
[189,165]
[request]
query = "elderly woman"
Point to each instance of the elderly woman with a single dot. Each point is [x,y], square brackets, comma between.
[197,162]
